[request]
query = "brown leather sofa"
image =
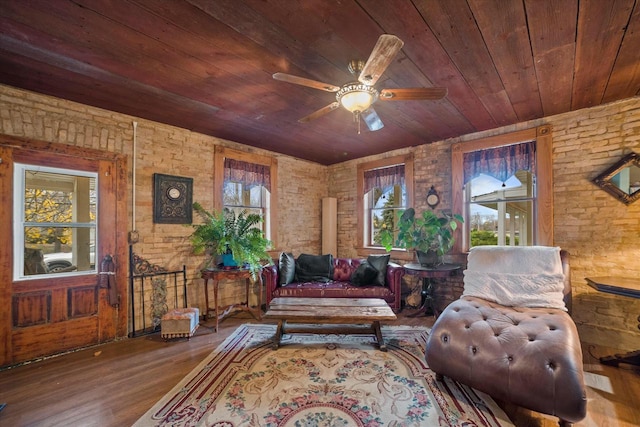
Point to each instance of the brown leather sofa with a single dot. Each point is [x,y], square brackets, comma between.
[339,285]
[530,357]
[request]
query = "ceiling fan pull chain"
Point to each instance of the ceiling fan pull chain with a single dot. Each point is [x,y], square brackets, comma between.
[357,119]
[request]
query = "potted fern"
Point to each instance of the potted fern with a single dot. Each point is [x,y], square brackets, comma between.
[225,233]
[430,235]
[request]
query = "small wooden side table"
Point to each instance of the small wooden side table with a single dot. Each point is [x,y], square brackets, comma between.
[618,286]
[216,275]
[427,274]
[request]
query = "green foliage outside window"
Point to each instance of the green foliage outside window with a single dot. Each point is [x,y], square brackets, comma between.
[488,238]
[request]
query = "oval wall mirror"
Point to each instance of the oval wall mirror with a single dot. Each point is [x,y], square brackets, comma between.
[622,180]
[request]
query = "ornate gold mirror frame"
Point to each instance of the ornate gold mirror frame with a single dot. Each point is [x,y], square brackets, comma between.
[622,180]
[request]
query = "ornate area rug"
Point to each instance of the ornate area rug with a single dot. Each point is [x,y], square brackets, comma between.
[320,381]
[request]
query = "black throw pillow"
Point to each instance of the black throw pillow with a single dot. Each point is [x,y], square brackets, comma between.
[365,274]
[314,268]
[380,263]
[286,268]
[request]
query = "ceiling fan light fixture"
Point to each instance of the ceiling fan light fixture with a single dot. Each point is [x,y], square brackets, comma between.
[356,97]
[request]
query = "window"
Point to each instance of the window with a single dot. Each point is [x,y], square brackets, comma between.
[247,187]
[247,182]
[501,213]
[502,186]
[385,187]
[56,217]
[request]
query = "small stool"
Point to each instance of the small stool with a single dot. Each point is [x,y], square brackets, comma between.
[180,323]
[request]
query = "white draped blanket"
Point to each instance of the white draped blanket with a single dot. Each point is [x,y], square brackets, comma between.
[528,276]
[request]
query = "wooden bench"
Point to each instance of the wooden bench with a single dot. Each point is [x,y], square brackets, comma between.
[329,316]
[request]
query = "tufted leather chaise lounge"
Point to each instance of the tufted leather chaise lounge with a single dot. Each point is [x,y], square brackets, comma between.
[530,357]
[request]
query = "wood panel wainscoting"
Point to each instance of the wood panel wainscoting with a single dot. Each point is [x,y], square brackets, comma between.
[114,384]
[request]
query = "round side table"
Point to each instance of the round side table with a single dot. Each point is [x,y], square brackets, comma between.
[428,274]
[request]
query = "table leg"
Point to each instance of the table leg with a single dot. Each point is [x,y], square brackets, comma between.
[247,286]
[378,332]
[427,289]
[215,301]
[259,311]
[278,336]
[206,298]
[427,307]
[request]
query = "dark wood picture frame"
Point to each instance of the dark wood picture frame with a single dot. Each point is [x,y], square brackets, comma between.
[605,179]
[172,199]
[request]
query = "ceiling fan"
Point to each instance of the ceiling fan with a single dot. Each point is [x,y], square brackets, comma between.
[359,96]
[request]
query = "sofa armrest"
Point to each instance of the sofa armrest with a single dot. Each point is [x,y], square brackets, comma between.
[270,280]
[395,272]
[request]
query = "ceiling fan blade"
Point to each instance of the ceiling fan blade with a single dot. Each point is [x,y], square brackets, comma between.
[319,113]
[371,119]
[305,82]
[381,56]
[413,94]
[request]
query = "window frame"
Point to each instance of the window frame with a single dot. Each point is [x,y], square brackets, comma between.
[20,224]
[361,209]
[542,135]
[271,210]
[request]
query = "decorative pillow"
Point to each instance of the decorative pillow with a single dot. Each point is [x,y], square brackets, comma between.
[314,268]
[286,268]
[365,274]
[379,262]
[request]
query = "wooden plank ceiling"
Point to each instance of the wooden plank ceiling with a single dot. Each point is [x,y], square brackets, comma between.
[207,65]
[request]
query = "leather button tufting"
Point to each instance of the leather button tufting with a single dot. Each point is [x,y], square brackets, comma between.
[445,338]
[510,358]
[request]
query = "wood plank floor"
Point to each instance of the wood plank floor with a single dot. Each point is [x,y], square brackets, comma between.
[114,384]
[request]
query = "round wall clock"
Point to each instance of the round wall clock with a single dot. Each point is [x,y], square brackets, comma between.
[433,198]
[174,193]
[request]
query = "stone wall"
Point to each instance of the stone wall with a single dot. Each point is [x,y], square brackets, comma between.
[174,151]
[601,233]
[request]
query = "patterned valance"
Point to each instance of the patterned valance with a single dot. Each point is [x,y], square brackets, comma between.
[247,173]
[501,162]
[383,177]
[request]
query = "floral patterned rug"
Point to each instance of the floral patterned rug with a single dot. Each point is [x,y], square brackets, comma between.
[320,381]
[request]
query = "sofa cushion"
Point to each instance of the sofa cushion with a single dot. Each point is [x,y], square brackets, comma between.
[365,274]
[379,262]
[287,268]
[314,268]
[343,268]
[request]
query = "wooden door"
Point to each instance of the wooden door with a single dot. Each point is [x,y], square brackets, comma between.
[43,310]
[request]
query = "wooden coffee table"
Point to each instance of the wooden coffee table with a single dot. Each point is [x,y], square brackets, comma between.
[329,316]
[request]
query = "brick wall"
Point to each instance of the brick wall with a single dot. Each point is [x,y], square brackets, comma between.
[174,151]
[602,234]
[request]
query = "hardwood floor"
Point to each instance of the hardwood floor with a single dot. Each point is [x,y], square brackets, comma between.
[114,384]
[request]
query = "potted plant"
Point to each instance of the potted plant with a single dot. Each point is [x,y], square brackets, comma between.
[224,233]
[430,235]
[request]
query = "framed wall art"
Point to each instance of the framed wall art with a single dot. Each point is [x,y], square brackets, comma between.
[172,199]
